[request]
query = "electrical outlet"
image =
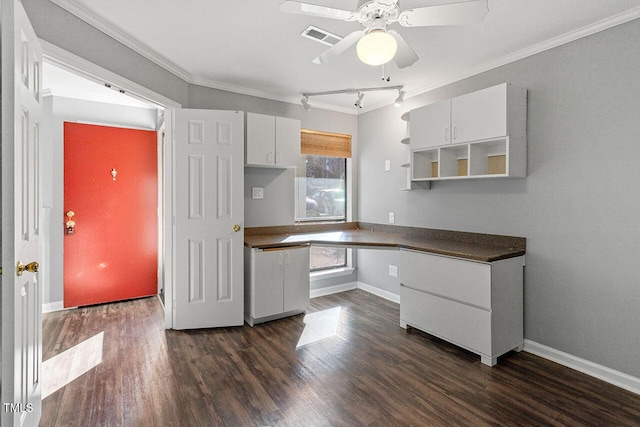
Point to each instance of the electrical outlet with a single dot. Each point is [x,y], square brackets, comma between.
[387,165]
[393,270]
[392,218]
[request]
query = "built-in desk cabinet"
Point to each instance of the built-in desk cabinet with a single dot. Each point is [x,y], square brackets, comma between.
[272,141]
[276,283]
[475,305]
[478,135]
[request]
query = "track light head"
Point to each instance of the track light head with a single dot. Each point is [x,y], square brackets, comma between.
[305,103]
[359,101]
[400,99]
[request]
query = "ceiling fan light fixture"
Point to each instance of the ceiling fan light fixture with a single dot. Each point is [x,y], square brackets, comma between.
[400,99]
[377,47]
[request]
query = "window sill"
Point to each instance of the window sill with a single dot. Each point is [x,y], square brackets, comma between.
[328,274]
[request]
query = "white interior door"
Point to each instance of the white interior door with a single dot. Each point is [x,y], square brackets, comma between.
[209,214]
[21,293]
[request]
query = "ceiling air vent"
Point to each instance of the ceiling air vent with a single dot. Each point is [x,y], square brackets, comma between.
[320,35]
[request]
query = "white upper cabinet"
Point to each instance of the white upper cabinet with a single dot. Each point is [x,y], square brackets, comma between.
[272,141]
[479,115]
[482,134]
[430,126]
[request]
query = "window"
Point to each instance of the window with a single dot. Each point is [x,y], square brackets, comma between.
[321,183]
[321,188]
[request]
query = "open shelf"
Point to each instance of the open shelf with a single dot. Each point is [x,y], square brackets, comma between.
[424,164]
[454,161]
[488,157]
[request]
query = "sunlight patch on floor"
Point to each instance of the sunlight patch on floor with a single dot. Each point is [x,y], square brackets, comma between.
[65,367]
[319,326]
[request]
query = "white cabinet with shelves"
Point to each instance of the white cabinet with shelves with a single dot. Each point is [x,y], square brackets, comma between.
[272,141]
[483,136]
[276,283]
[475,305]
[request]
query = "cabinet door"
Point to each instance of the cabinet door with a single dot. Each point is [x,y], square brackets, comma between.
[296,279]
[480,115]
[287,142]
[261,139]
[268,283]
[430,125]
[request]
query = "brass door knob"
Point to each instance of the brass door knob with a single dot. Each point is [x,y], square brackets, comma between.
[32,267]
[236,228]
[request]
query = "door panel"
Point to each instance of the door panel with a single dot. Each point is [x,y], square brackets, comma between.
[21,304]
[209,203]
[296,279]
[112,254]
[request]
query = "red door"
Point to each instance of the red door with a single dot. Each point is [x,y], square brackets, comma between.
[111,186]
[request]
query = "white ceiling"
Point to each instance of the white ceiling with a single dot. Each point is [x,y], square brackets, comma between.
[249,46]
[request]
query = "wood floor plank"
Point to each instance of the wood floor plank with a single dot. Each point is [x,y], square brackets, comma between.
[370,373]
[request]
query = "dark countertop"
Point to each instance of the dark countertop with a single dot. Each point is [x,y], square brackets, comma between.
[473,246]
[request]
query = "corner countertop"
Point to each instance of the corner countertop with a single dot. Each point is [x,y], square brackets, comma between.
[472,246]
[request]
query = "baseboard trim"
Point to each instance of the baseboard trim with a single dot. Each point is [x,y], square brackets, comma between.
[603,373]
[321,292]
[390,296]
[52,306]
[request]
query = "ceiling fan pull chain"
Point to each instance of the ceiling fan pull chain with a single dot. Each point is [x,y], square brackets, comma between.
[385,73]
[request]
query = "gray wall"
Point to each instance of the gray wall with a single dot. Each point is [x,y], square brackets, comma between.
[55,25]
[579,207]
[58,110]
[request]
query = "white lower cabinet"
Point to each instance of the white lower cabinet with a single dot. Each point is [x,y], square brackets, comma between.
[477,306]
[276,283]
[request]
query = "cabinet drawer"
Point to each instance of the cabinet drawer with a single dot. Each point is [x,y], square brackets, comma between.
[457,323]
[461,280]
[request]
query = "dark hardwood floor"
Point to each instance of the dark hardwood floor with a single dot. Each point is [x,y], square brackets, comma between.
[372,372]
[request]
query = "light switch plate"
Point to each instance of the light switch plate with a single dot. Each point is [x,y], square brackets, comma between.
[387,165]
[392,218]
[393,270]
[257,192]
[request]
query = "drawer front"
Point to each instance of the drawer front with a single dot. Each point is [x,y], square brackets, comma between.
[465,281]
[460,324]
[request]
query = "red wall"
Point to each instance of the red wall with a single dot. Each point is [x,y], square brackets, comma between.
[112,255]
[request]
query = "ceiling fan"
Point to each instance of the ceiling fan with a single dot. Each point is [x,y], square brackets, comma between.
[376,44]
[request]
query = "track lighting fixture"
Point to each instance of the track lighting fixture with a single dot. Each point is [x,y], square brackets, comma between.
[400,99]
[360,92]
[305,103]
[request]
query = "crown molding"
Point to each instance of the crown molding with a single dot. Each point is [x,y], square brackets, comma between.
[84,14]
[212,84]
[565,38]
[87,16]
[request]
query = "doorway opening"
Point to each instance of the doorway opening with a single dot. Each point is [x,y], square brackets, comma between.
[80,92]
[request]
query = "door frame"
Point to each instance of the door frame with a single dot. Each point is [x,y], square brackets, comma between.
[86,69]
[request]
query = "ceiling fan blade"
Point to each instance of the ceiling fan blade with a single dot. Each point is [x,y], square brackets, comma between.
[315,10]
[468,12]
[405,56]
[339,47]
